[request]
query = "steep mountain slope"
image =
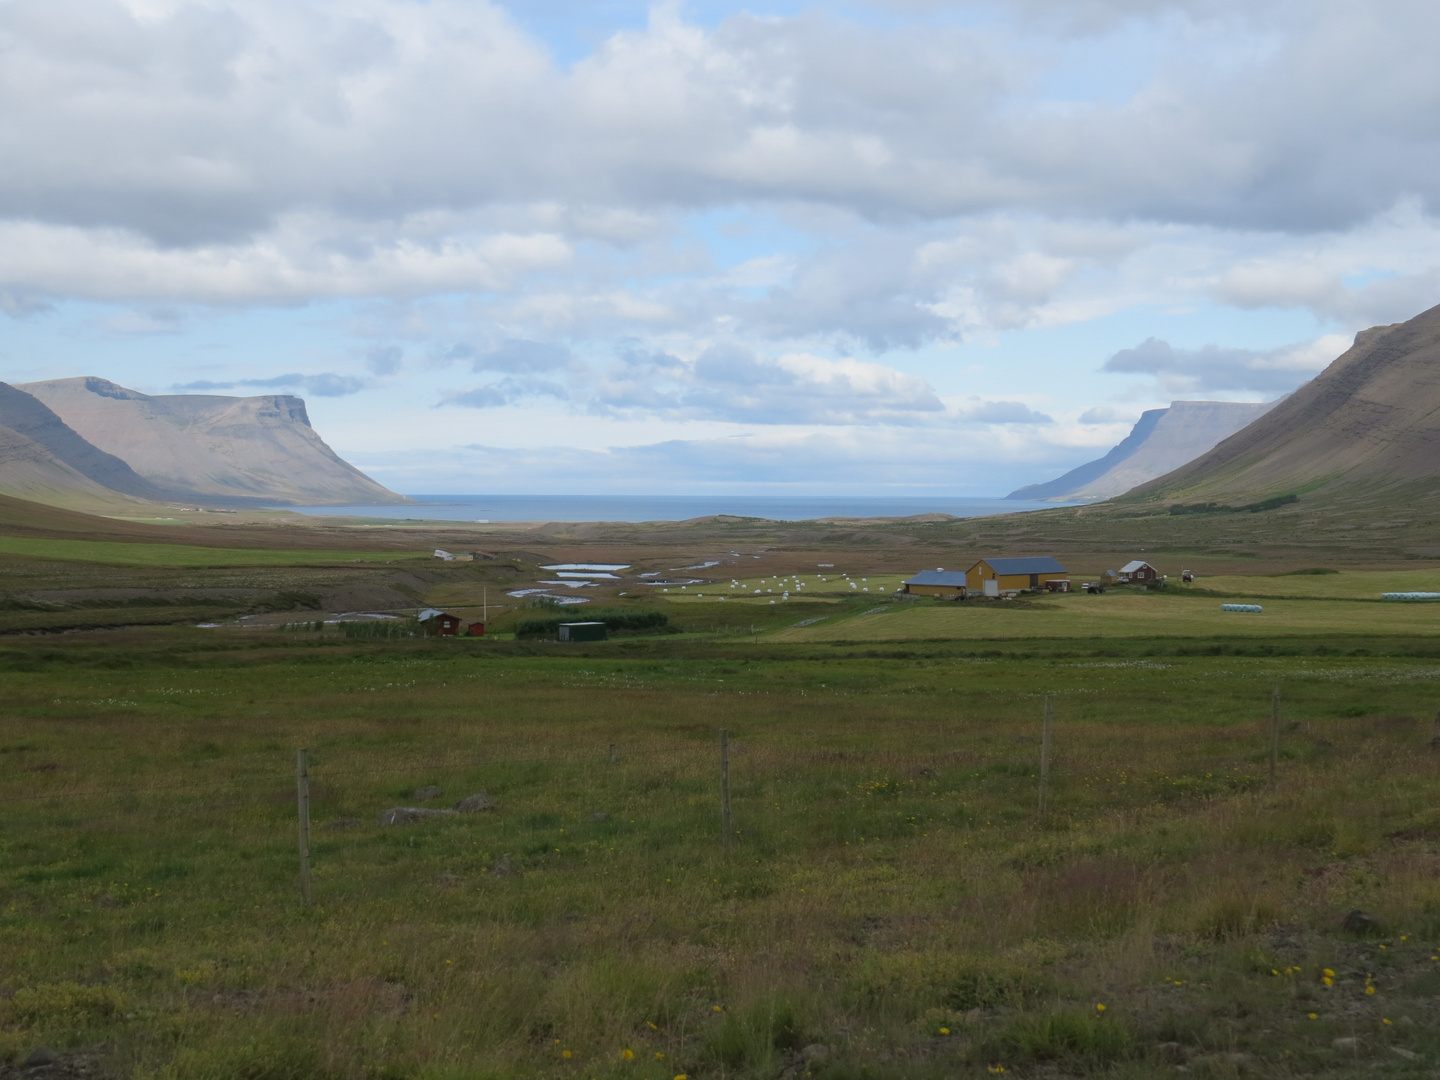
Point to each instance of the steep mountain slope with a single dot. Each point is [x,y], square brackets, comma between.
[1370,421]
[238,450]
[1161,440]
[28,417]
[30,471]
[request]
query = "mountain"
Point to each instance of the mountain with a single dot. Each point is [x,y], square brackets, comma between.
[251,450]
[1369,422]
[39,438]
[1161,440]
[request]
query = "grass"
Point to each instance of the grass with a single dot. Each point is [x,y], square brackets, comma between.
[889,890]
[122,553]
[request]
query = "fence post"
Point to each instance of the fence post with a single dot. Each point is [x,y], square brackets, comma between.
[1274,731]
[612,753]
[1045,756]
[302,795]
[725,786]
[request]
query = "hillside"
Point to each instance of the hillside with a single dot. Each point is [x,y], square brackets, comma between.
[1369,423]
[51,443]
[253,450]
[1162,440]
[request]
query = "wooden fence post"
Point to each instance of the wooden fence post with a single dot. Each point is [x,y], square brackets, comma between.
[302,795]
[1045,756]
[725,786]
[1274,731]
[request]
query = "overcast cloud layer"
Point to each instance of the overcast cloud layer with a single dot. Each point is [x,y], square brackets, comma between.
[1004,229]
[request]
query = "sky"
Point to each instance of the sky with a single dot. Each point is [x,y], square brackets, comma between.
[595,246]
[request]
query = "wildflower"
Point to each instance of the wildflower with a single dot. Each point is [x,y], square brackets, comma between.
[628,1055]
[944,1031]
[1385,1022]
[717,1008]
[1369,989]
[565,1054]
[1099,1008]
[1330,973]
[652,1026]
[1313,1016]
[682,1076]
[1274,972]
[1328,981]
[659,1056]
[995,1068]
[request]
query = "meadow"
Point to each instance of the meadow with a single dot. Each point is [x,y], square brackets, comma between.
[889,901]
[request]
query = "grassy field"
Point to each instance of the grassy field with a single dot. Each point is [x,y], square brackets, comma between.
[120,553]
[889,890]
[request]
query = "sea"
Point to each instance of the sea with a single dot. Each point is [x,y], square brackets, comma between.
[486,509]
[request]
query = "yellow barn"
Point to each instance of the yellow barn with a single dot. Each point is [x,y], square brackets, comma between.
[992,577]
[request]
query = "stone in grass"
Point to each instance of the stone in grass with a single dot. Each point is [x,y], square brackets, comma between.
[599,815]
[405,815]
[1401,1052]
[41,1057]
[1347,1044]
[501,867]
[428,792]
[1360,922]
[473,804]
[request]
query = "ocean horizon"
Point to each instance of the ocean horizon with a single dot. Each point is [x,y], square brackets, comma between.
[637,508]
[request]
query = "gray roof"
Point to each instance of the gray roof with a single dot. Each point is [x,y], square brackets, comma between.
[1039,564]
[952,578]
[1133,565]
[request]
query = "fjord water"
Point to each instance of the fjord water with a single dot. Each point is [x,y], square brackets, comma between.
[674,507]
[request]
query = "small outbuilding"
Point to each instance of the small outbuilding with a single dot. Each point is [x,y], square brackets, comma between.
[1137,572]
[583,631]
[439,623]
[949,584]
[996,577]
[476,629]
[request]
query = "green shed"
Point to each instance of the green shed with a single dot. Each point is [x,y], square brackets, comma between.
[582,631]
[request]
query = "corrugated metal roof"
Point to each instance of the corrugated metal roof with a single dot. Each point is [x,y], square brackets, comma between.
[1133,565]
[938,577]
[1039,564]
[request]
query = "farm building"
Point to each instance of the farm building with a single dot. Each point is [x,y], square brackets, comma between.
[582,631]
[1137,572]
[439,623]
[947,583]
[994,577]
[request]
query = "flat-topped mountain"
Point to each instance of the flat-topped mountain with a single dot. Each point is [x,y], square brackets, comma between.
[1160,441]
[253,450]
[1370,421]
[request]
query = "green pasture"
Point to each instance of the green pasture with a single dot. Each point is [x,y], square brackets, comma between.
[1122,614]
[887,889]
[120,553]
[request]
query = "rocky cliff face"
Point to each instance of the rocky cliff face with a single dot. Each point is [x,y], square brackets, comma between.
[1162,440]
[258,450]
[1371,421]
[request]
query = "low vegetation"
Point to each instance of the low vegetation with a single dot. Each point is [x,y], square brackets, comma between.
[888,893]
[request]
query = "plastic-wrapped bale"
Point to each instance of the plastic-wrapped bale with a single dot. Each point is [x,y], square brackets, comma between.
[1241,607]
[1410,596]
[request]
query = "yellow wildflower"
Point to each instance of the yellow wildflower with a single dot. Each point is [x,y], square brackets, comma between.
[628,1055]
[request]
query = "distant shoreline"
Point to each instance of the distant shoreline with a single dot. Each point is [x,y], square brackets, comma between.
[637,508]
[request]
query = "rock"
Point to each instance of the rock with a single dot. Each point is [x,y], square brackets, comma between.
[1408,1055]
[1348,1044]
[405,815]
[814,1052]
[474,804]
[428,792]
[599,816]
[1360,922]
[340,824]
[40,1057]
[501,867]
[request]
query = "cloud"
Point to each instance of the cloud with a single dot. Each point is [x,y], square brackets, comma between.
[1104,414]
[1213,368]
[326,384]
[1004,412]
[384,359]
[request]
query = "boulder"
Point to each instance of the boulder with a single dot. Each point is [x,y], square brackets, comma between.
[1360,922]
[41,1057]
[405,815]
[473,804]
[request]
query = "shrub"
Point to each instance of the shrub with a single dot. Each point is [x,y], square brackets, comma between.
[1073,1034]
[751,1037]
